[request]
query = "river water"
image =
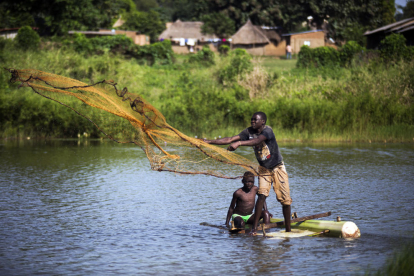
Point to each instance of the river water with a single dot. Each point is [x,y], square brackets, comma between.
[95,208]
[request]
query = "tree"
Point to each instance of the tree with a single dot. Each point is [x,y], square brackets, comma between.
[148,23]
[218,24]
[408,10]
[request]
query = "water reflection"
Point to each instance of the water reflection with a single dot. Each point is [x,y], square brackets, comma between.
[94,207]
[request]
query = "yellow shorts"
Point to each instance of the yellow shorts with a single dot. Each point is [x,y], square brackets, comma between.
[279,177]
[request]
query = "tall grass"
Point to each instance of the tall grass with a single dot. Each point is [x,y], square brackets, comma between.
[400,264]
[362,103]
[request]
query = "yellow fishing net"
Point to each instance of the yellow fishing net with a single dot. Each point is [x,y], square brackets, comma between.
[167,148]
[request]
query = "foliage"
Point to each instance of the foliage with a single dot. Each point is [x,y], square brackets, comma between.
[355,32]
[328,56]
[305,57]
[348,51]
[408,10]
[205,56]
[239,62]
[358,103]
[148,23]
[400,264]
[218,24]
[27,39]
[156,53]
[224,49]
[96,45]
[393,48]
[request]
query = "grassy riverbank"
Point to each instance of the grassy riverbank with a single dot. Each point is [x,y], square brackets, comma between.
[372,102]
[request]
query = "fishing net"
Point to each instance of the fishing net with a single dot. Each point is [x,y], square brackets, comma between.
[166,148]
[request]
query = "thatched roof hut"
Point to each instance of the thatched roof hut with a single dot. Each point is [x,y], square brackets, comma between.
[249,34]
[187,30]
[258,40]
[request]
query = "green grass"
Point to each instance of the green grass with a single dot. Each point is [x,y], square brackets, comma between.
[400,264]
[362,103]
[277,65]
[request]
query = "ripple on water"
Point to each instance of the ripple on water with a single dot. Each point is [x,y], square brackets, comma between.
[68,208]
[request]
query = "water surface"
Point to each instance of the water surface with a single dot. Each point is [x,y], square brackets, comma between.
[95,207]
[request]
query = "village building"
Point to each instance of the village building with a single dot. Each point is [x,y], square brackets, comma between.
[404,27]
[137,38]
[313,39]
[186,37]
[259,41]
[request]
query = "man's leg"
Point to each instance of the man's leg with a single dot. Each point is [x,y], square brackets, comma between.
[257,213]
[287,215]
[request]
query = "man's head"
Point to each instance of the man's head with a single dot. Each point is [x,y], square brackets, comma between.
[248,180]
[258,120]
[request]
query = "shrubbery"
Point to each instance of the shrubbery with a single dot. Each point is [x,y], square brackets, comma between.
[156,53]
[224,50]
[327,56]
[205,56]
[117,43]
[27,39]
[160,52]
[239,62]
[393,48]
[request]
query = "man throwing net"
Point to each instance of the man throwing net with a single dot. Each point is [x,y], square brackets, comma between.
[271,167]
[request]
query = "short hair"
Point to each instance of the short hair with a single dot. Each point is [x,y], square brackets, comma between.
[262,115]
[247,174]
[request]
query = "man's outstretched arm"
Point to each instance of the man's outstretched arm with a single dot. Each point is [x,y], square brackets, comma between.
[252,142]
[223,141]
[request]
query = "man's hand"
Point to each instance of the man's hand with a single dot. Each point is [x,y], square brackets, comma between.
[234,146]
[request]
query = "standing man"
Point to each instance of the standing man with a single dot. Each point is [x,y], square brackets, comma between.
[271,169]
[288,52]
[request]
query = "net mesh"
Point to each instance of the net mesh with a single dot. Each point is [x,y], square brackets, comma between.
[166,148]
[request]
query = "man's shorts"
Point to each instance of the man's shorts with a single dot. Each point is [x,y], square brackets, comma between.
[245,218]
[279,177]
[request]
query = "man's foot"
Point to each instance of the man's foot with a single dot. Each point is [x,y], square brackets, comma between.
[253,233]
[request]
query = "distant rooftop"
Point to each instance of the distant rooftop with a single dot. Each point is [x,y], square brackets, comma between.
[313,31]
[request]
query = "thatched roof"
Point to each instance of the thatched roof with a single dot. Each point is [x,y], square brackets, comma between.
[272,35]
[250,34]
[180,29]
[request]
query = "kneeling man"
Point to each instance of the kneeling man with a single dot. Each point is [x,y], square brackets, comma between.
[243,202]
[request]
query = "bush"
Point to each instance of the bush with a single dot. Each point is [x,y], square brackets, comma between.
[98,45]
[224,50]
[348,52]
[326,56]
[27,39]
[205,56]
[393,48]
[156,53]
[305,57]
[240,63]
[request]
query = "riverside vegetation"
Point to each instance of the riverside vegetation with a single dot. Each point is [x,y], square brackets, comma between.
[363,99]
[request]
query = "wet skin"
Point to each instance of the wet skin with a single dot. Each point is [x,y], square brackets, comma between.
[258,124]
[243,202]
